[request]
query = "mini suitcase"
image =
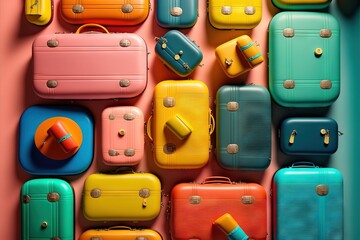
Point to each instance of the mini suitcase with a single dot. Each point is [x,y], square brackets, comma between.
[308,203]
[195,207]
[32,157]
[177,14]
[243,133]
[90,66]
[309,136]
[224,14]
[127,196]
[39,12]
[122,135]
[304,59]
[178,52]
[181,124]
[108,12]
[301,4]
[47,209]
[120,233]
[238,56]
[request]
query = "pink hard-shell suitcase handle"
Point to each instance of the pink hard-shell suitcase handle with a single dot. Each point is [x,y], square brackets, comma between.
[217,179]
[91,25]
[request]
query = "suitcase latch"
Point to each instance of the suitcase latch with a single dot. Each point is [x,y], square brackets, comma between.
[51,83]
[113,153]
[325,33]
[325,84]
[176,11]
[292,136]
[129,116]
[125,43]
[228,62]
[144,193]
[78,8]
[232,106]
[26,199]
[127,8]
[53,197]
[249,10]
[95,193]
[326,134]
[232,148]
[111,117]
[124,83]
[129,152]
[195,200]
[169,148]
[247,200]
[226,10]
[289,84]
[289,32]
[322,190]
[52,43]
[169,102]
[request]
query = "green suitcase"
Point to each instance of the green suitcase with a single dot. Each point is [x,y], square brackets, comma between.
[47,208]
[304,59]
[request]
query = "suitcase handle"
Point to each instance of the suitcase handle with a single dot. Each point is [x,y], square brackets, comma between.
[303,164]
[217,179]
[211,122]
[148,128]
[91,25]
[120,228]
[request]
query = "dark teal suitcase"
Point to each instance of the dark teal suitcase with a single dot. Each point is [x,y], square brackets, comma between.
[308,203]
[47,210]
[243,131]
[304,59]
[178,52]
[177,13]
[309,136]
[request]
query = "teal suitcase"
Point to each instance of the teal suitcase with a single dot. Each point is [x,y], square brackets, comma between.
[243,131]
[47,208]
[308,203]
[304,59]
[177,13]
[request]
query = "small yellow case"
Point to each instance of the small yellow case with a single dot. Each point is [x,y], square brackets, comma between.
[234,14]
[120,233]
[127,196]
[39,12]
[179,126]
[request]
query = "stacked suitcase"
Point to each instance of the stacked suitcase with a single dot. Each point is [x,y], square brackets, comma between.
[304,72]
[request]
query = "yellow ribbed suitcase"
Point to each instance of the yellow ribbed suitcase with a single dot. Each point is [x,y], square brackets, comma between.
[127,196]
[181,124]
[120,233]
[234,14]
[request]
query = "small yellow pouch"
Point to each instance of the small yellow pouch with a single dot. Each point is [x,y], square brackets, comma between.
[179,126]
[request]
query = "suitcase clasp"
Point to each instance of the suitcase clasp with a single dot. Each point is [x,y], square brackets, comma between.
[247,200]
[232,106]
[232,148]
[292,136]
[249,10]
[176,11]
[322,190]
[78,8]
[226,10]
[289,84]
[127,8]
[288,32]
[195,200]
[326,134]
[53,197]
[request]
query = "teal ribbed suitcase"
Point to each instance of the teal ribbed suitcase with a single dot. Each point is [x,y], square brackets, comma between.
[243,131]
[304,59]
[177,13]
[47,208]
[308,203]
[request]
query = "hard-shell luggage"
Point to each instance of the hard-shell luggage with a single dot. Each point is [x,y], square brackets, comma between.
[224,14]
[304,59]
[243,131]
[120,233]
[178,52]
[106,12]
[181,124]
[90,66]
[301,4]
[124,196]
[309,136]
[123,136]
[47,209]
[39,12]
[238,56]
[41,152]
[194,207]
[177,14]
[308,203]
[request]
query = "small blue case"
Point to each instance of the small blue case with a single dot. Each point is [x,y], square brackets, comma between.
[34,162]
[309,136]
[177,14]
[178,52]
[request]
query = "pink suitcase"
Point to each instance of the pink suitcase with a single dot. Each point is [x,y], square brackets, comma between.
[122,135]
[90,66]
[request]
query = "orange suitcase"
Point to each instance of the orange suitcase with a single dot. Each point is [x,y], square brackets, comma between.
[120,233]
[195,207]
[106,12]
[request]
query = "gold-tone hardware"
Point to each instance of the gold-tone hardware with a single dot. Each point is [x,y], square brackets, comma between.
[292,136]
[288,32]
[141,238]
[121,132]
[169,102]
[51,83]
[163,46]
[96,238]
[78,8]
[226,10]
[44,224]
[232,148]
[95,193]
[318,52]
[228,62]
[195,200]
[124,83]
[325,84]
[26,199]
[127,8]
[176,11]
[52,43]
[249,10]
[326,134]
[111,117]
[125,43]
[289,84]
[232,106]
[113,153]
[129,116]
[247,200]
[322,190]
[144,193]
[169,148]
[177,57]
[325,33]
[53,197]
[129,152]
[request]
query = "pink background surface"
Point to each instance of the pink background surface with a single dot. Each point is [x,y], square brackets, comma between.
[16,95]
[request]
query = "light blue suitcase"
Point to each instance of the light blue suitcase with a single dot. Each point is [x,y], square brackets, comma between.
[308,203]
[177,13]
[243,131]
[304,59]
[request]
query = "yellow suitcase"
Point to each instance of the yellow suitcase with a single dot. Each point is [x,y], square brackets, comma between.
[120,233]
[181,124]
[235,14]
[127,196]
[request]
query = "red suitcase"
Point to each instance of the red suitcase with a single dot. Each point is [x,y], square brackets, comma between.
[194,208]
